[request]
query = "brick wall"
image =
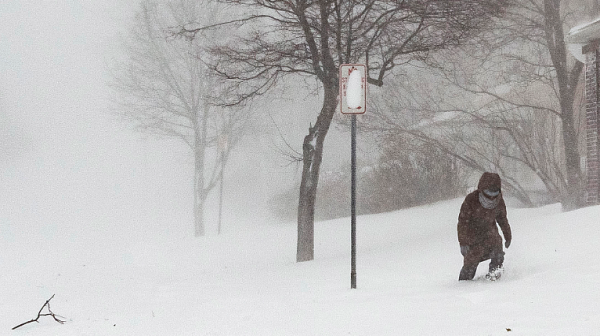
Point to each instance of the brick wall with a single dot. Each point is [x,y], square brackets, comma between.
[592,94]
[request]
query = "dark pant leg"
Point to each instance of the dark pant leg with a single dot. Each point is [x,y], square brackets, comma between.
[471,261]
[467,272]
[497,256]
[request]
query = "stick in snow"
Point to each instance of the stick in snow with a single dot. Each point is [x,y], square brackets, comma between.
[50,313]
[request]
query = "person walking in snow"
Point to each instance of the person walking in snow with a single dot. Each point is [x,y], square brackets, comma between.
[477,231]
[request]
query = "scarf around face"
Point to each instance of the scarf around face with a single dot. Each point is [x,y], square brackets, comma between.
[488,203]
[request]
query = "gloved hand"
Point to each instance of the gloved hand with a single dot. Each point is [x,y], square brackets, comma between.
[507,243]
[464,249]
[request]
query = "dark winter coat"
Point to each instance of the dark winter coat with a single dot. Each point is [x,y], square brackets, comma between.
[476,224]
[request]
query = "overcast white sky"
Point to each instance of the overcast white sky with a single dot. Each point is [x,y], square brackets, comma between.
[66,162]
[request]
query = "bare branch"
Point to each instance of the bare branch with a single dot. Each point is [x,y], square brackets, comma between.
[40,314]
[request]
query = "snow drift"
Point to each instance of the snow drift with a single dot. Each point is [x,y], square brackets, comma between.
[113,281]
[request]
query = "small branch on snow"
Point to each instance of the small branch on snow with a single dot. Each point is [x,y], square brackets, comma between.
[50,313]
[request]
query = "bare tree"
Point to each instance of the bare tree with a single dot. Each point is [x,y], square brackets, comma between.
[543,62]
[512,99]
[313,37]
[165,89]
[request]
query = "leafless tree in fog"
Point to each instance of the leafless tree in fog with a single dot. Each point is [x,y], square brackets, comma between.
[513,100]
[165,89]
[313,37]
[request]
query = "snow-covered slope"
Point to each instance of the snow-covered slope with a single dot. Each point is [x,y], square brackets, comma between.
[120,282]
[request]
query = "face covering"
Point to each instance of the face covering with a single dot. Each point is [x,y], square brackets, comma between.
[488,203]
[491,193]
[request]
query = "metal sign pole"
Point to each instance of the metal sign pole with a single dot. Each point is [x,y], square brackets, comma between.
[353,204]
[353,100]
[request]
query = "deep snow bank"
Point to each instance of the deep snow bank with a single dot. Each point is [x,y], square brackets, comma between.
[247,283]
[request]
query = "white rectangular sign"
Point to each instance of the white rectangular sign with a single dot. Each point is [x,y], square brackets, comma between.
[353,88]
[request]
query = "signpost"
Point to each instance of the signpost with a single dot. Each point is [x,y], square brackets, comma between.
[353,96]
[353,88]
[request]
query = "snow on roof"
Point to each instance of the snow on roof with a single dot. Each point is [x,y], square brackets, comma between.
[585,32]
[581,35]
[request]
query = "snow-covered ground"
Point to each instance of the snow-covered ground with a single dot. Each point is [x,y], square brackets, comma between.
[118,281]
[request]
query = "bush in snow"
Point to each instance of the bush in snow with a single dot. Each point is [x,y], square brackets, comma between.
[406,174]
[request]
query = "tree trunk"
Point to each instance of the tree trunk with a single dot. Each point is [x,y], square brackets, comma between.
[221,187]
[199,188]
[567,83]
[574,179]
[199,196]
[312,157]
[574,197]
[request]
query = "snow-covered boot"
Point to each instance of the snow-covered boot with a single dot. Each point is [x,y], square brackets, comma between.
[494,274]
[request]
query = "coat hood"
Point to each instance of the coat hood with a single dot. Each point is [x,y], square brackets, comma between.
[488,180]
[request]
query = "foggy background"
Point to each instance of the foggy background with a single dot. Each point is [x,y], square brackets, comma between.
[68,163]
